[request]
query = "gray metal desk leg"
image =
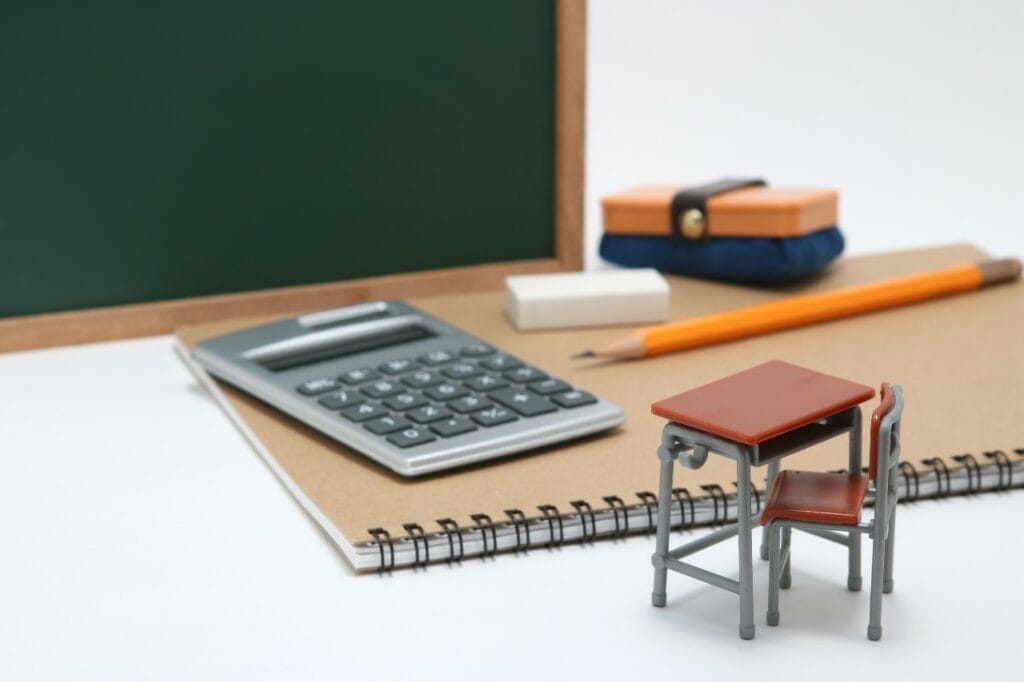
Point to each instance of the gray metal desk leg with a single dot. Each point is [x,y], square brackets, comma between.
[773,471]
[745,550]
[658,596]
[854,579]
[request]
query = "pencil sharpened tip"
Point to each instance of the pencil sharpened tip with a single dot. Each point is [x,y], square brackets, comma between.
[584,354]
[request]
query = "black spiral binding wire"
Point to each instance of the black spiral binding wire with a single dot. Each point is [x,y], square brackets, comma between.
[450,526]
[678,494]
[551,514]
[650,501]
[584,509]
[909,471]
[940,469]
[1002,459]
[711,489]
[417,535]
[616,504]
[380,536]
[973,471]
[517,517]
[483,523]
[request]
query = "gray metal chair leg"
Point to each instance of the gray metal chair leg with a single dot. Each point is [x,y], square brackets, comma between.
[887,583]
[773,471]
[658,595]
[854,580]
[786,579]
[773,532]
[877,566]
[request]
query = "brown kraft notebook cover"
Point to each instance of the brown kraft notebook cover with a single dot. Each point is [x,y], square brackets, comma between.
[960,361]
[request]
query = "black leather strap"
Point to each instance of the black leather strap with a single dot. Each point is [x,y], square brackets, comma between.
[689,206]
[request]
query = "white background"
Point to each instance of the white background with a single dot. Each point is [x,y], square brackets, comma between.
[911,109]
[142,538]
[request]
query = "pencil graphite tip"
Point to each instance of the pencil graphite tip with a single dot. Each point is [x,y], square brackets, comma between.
[584,354]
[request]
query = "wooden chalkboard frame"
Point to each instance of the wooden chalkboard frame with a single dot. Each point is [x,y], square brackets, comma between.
[162,317]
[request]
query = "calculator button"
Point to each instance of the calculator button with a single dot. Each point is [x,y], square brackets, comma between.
[477,350]
[437,357]
[500,363]
[360,413]
[340,399]
[387,424]
[317,386]
[462,370]
[410,437]
[422,379]
[428,413]
[397,366]
[549,386]
[523,374]
[486,382]
[452,427]
[405,401]
[493,416]
[446,392]
[358,376]
[574,399]
[522,401]
[469,403]
[383,388]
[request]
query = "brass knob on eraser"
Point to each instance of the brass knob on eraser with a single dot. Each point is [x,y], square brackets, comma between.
[693,224]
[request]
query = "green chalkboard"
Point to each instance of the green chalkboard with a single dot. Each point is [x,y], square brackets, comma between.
[167,149]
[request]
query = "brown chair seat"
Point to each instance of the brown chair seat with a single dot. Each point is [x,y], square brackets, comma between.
[815,496]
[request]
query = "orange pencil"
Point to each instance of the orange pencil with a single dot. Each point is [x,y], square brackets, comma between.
[808,309]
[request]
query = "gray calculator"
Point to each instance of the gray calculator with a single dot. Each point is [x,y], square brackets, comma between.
[404,388]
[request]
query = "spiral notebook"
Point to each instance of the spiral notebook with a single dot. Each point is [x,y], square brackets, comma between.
[960,361]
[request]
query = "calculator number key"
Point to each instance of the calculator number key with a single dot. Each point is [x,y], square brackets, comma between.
[317,386]
[500,363]
[383,388]
[340,399]
[476,350]
[397,366]
[446,392]
[549,386]
[523,374]
[422,379]
[493,416]
[388,424]
[405,401]
[428,413]
[462,370]
[358,376]
[360,413]
[574,399]
[522,401]
[410,437]
[452,427]
[486,382]
[469,403]
[437,357]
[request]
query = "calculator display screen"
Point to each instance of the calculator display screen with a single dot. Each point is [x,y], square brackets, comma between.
[342,348]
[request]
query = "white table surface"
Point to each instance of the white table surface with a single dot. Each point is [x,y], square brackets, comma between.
[143,539]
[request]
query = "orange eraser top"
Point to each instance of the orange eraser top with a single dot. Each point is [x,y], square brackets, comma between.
[748,212]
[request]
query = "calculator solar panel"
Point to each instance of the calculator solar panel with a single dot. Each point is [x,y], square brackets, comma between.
[403,387]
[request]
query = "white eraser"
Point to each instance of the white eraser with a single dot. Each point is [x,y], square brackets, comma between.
[585,299]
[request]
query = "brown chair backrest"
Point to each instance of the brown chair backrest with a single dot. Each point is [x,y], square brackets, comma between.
[884,407]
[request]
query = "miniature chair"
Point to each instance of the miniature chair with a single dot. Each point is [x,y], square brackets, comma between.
[829,506]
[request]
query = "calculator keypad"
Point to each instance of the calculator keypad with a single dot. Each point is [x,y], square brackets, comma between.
[443,393]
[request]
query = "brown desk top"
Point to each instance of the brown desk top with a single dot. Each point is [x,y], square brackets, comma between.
[762,402]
